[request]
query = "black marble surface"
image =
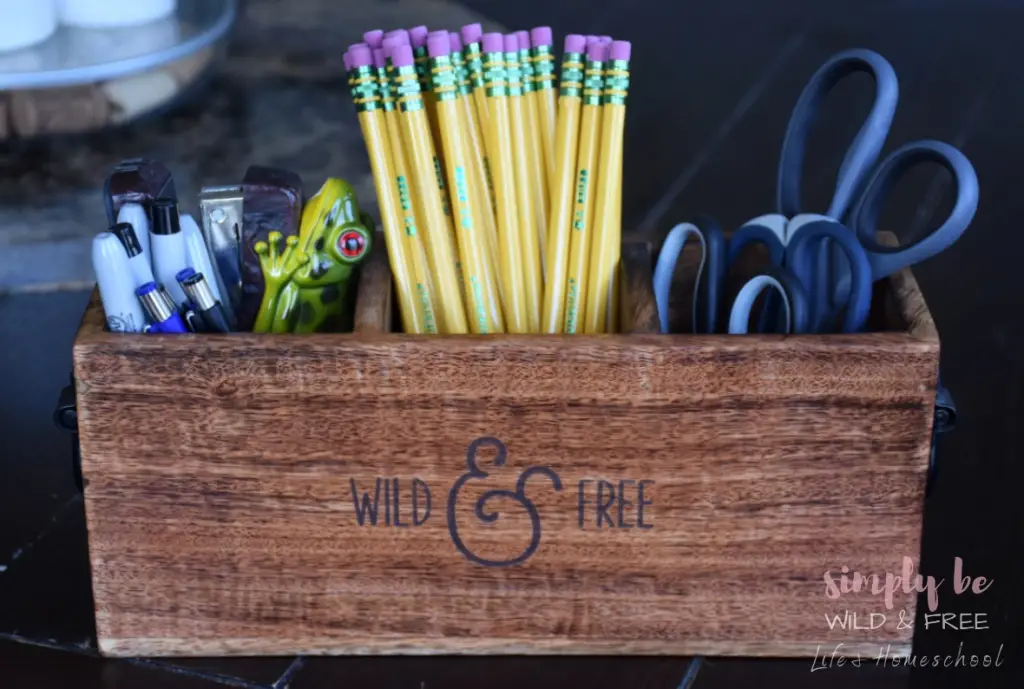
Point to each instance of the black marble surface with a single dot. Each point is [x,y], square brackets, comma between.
[713,86]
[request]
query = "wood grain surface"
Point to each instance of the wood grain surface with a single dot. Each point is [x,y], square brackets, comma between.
[680,494]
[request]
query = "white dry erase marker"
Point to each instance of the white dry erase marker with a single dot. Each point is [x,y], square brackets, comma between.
[136,215]
[137,260]
[169,253]
[117,285]
[199,260]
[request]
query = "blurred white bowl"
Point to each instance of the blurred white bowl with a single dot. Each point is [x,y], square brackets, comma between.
[96,14]
[24,23]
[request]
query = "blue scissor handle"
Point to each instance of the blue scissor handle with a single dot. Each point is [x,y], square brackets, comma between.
[866,146]
[755,233]
[795,303]
[665,268]
[887,260]
[709,285]
[858,302]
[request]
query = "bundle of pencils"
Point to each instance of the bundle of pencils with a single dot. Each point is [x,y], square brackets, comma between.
[499,190]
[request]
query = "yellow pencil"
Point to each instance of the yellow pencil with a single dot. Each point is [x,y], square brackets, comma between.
[471,35]
[566,143]
[478,180]
[528,247]
[544,87]
[472,241]
[411,211]
[503,169]
[534,155]
[436,227]
[417,316]
[578,270]
[418,40]
[607,241]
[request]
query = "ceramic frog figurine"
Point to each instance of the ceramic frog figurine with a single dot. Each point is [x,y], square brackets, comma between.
[307,280]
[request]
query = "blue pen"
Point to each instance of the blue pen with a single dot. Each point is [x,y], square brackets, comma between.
[162,314]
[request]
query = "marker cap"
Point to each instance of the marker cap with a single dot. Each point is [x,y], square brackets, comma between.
[126,233]
[164,217]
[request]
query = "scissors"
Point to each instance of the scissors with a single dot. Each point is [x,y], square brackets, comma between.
[832,270]
[717,258]
[710,273]
[862,188]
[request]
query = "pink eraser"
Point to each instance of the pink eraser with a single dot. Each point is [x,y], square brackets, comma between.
[456,42]
[344,58]
[359,55]
[471,33]
[511,43]
[605,39]
[389,45]
[597,52]
[374,38]
[401,56]
[592,39]
[401,34]
[378,57]
[574,43]
[524,39]
[418,36]
[541,35]
[620,50]
[438,44]
[493,43]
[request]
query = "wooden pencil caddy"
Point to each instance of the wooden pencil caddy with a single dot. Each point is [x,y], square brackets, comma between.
[655,494]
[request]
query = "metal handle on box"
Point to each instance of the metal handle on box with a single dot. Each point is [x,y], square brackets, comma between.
[66,418]
[945,420]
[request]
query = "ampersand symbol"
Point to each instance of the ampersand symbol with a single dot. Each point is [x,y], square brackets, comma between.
[903,624]
[519,496]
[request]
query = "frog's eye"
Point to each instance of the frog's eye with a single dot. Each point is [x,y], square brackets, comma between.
[351,244]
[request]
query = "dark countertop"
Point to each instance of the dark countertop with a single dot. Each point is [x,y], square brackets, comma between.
[279,98]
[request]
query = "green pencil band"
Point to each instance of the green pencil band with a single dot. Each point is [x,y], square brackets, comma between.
[526,69]
[406,84]
[543,64]
[443,79]
[462,81]
[616,82]
[494,74]
[513,73]
[473,59]
[593,82]
[571,80]
[365,89]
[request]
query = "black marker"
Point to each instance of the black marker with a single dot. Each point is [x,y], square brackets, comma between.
[206,305]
